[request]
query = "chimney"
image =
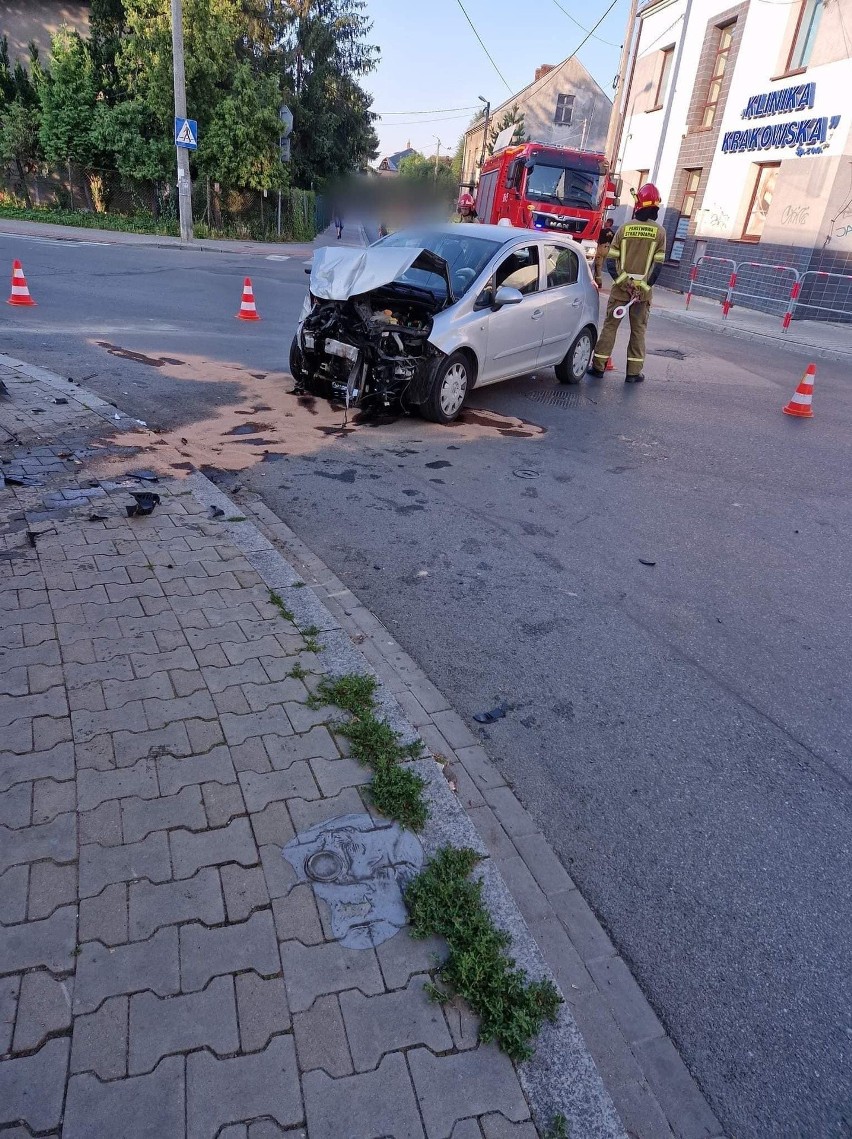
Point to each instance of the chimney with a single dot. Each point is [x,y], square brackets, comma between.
[545,69]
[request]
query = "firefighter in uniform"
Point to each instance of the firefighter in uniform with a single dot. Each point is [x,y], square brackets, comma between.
[635,259]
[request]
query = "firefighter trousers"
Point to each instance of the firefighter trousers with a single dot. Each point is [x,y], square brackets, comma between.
[638,314]
[601,254]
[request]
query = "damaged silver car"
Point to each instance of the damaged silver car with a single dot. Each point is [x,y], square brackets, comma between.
[419,319]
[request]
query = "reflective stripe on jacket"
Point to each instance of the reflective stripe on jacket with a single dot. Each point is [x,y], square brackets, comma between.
[636,248]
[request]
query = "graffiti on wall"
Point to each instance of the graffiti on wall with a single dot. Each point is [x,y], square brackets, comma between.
[716,218]
[795,215]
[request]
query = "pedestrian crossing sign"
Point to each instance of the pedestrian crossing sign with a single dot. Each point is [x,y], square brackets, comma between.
[186,134]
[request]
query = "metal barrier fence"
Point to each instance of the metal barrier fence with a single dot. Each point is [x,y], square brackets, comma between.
[769,284]
[722,271]
[779,287]
[839,291]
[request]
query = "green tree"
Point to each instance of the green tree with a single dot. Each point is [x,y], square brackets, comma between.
[425,172]
[514,117]
[19,141]
[235,103]
[69,99]
[323,54]
[107,28]
[240,146]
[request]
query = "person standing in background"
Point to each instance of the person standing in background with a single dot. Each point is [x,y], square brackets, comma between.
[602,251]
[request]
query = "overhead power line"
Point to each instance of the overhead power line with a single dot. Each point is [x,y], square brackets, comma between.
[594,29]
[482,45]
[435,111]
[600,39]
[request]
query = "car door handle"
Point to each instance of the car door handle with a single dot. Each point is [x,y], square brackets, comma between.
[538,313]
[576,303]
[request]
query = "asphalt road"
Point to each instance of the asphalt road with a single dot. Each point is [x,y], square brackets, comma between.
[681,730]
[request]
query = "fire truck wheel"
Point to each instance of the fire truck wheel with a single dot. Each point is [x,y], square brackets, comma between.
[572,369]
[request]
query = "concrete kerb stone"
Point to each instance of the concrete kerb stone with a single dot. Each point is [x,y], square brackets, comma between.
[561,1076]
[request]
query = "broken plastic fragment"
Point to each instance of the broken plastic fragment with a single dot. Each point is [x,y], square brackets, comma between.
[497,713]
[146,500]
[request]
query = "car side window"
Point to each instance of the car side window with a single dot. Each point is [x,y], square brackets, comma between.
[519,270]
[561,265]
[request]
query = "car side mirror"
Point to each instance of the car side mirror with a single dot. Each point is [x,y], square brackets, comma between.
[506,295]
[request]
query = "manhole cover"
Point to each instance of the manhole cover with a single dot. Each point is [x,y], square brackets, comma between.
[555,397]
[359,870]
[669,353]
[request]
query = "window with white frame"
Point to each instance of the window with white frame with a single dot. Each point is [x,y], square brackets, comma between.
[564,110]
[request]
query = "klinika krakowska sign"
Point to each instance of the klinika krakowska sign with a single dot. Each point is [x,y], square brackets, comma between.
[805,136]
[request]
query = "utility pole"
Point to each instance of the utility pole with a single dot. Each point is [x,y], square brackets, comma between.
[615,119]
[184,183]
[437,156]
[487,103]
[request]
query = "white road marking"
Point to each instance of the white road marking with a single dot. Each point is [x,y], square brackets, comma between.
[276,257]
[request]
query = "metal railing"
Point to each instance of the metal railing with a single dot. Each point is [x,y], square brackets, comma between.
[820,277]
[724,278]
[774,286]
[770,281]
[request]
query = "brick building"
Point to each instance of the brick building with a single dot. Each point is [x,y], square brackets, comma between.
[740,113]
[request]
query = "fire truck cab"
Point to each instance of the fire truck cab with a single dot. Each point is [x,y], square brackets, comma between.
[547,187]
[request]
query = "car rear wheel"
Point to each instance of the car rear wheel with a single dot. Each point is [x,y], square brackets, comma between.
[450,383]
[577,359]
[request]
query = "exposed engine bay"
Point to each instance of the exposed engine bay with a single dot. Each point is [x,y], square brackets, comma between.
[370,348]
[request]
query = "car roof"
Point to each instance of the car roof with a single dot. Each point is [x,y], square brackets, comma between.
[504,234]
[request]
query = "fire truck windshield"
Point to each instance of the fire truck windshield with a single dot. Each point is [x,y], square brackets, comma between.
[563,186]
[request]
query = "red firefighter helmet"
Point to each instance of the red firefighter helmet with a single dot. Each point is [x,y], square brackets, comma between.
[648,195]
[466,201]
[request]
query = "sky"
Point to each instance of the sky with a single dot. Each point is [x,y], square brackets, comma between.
[432,62]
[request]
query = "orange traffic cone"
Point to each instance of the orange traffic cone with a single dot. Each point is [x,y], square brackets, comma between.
[20,292]
[610,367]
[800,404]
[247,306]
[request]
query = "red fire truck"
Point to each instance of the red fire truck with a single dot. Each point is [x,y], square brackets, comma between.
[547,187]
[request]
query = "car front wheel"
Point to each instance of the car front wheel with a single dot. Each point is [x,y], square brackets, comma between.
[576,362]
[296,370]
[450,383]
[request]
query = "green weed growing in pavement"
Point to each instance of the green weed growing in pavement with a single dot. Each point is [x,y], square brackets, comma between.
[299,584]
[311,631]
[278,601]
[297,672]
[236,518]
[396,790]
[558,1129]
[443,899]
[312,645]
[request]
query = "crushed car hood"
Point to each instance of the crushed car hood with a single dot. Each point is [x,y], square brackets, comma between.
[340,273]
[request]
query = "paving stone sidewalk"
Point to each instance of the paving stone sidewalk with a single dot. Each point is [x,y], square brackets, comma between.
[164,970]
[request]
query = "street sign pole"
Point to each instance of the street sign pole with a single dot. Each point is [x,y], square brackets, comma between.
[184,183]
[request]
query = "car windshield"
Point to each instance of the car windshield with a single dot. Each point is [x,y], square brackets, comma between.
[466,255]
[563,186]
